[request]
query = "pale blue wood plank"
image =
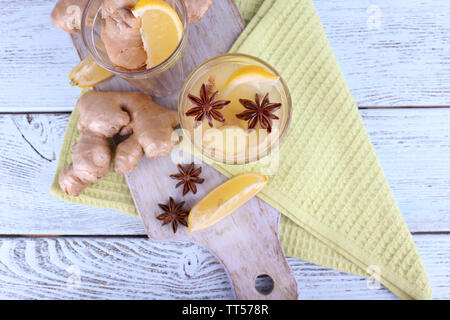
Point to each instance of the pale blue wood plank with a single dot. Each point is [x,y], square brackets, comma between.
[404,62]
[105,268]
[392,53]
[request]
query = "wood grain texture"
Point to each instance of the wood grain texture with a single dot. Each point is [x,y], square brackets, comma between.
[36,56]
[413,146]
[392,53]
[49,268]
[404,62]
[246,242]
[246,246]
[29,147]
[409,142]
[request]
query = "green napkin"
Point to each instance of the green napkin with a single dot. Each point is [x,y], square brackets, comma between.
[338,210]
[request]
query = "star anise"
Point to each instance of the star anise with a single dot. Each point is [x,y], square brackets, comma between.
[206,107]
[188,177]
[259,112]
[173,213]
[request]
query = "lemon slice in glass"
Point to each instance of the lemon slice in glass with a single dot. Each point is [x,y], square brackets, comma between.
[224,199]
[161,29]
[255,76]
[87,74]
[226,140]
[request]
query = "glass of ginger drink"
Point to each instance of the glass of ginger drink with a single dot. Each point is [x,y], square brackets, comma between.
[144,43]
[234,108]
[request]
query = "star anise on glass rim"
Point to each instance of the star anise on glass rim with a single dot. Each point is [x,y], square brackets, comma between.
[206,107]
[188,177]
[173,213]
[259,112]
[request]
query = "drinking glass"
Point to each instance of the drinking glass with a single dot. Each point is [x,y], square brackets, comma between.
[162,80]
[216,72]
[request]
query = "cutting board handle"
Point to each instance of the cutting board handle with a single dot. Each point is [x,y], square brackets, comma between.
[250,247]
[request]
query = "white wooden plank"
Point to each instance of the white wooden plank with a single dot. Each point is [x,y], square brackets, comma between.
[29,147]
[35,59]
[404,62]
[413,146]
[392,53]
[109,268]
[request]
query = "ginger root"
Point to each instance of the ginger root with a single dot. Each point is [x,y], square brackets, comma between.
[148,121]
[66,15]
[99,120]
[121,30]
[197,9]
[69,181]
[102,116]
[121,34]
[91,162]
[111,6]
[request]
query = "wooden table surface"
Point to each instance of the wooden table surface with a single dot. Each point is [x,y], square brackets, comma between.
[395,56]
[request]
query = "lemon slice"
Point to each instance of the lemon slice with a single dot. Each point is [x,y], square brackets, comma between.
[161,29]
[254,75]
[87,74]
[227,140]
[224,199]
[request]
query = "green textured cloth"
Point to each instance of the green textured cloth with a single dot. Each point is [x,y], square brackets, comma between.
[338,210]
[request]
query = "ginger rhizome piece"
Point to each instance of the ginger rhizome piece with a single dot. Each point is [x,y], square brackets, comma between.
[121,34]
[66,15]
[121,30]
[106,114]
[197,9]
[99,120]
[151,129]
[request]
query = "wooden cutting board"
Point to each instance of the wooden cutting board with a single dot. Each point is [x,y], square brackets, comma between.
[246,242]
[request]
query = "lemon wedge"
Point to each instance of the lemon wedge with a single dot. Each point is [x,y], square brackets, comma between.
[227,140]
[161,29]
[87,74]
[254,75]
[224,199]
